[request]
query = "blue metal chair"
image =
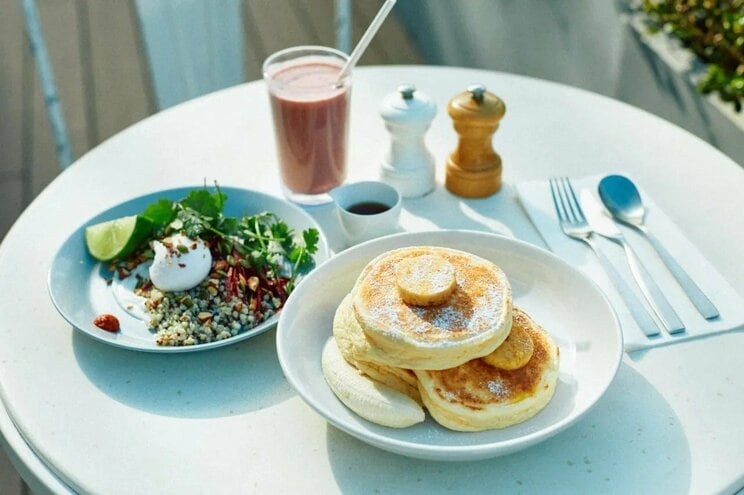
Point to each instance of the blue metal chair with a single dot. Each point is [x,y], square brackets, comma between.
[48,86]
[192,47]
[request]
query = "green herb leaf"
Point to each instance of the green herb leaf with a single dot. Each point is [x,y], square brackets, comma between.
[219,197]
[229,226]
[280,230]
[204,203]
[295,254]
[262,241]
[160,213]
[176,225]
[311,238]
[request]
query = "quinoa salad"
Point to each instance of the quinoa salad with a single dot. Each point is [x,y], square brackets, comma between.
[188,318]
[204,277]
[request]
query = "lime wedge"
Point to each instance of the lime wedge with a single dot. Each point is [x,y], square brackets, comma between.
[118,238]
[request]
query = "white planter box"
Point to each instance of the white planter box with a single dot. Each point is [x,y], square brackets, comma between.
[660,75]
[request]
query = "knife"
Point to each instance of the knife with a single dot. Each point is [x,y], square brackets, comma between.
[601,222]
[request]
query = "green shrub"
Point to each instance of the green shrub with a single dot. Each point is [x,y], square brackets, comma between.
[714,30]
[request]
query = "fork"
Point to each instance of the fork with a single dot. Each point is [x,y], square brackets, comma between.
[573,223]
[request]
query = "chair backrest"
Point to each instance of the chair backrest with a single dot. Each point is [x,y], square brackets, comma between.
[192,47]
[48,86]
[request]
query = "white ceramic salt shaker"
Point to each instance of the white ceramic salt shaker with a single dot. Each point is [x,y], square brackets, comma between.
[408,165]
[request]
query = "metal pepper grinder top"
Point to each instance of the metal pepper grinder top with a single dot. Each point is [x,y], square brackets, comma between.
[408,165]
[474,168]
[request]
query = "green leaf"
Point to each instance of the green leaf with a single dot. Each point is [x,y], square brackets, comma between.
[280,230]
[229,225]
[295,254]
[219,197]
[160,213]
[204,203]
[311,238]
[192,223]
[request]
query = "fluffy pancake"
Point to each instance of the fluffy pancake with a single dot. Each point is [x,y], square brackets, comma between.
[477,396]
[354,347]
[473,322]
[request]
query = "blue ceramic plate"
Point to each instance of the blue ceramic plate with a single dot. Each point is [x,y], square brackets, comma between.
[78,287]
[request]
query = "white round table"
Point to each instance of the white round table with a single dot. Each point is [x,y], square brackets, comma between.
[83,416]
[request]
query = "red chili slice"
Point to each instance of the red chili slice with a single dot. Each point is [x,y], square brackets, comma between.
[107,322]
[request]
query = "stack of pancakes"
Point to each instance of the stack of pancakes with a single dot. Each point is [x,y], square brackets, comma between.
[437,325]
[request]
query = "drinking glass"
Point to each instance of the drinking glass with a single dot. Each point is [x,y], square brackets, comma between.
[310,108]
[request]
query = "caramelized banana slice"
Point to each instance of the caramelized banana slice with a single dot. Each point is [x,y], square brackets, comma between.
[426,280]
[514,353]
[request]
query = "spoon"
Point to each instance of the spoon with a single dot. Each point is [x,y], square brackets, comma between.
[622,199]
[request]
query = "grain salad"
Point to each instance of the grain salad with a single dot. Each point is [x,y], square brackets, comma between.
[205,277]
[199,316]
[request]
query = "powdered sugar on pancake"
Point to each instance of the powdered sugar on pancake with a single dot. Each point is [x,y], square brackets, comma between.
[497,388]
[445,318]
[427,271]
[477,305]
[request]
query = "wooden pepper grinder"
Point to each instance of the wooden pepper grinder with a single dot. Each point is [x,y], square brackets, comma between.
[474,168]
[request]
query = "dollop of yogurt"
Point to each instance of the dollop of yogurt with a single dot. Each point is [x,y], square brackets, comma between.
[180,263]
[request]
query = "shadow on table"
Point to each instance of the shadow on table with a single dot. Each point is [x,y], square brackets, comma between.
[499,214]
[438,210]
[641,445]
[227,381]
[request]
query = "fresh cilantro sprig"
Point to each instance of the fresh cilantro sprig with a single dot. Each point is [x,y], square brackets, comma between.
[160,213]
[264,239]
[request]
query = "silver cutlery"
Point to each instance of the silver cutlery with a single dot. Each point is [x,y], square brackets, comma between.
[574,225]
[622,199]
[603,225]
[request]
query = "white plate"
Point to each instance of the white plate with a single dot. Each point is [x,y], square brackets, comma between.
[77,282]
[563,300]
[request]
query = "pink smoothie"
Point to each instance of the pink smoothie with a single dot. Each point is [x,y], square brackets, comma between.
[310,118]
